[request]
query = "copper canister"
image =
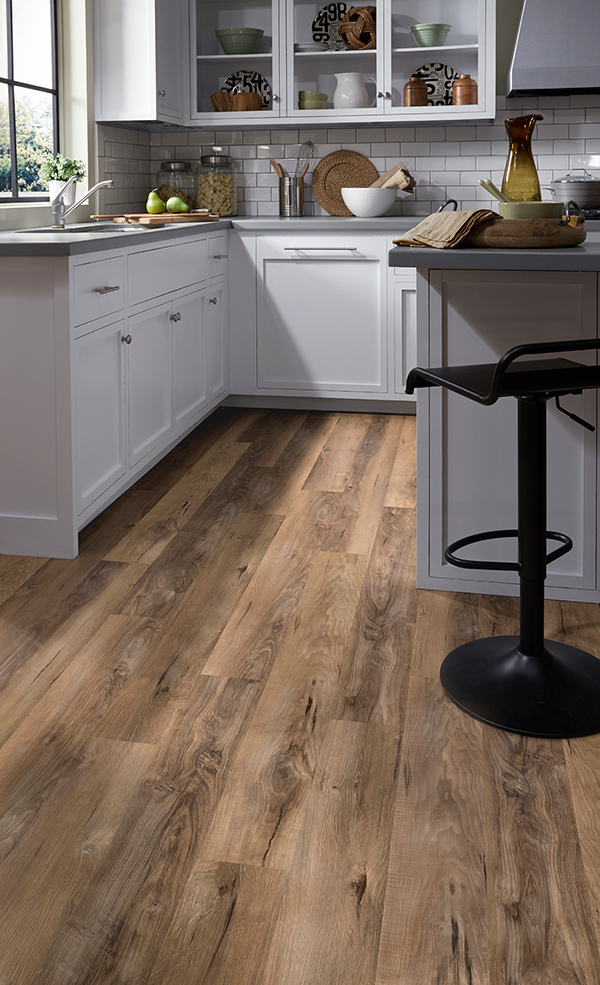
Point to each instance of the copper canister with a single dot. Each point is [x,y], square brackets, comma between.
[464,91]
[415,92]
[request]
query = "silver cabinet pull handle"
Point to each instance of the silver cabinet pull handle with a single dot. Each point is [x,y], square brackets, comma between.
[213,300]
[321,249]
[126,338]
[175,317]
[221,256]
[106,290]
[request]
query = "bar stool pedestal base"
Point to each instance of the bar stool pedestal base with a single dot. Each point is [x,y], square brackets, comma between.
[553,696]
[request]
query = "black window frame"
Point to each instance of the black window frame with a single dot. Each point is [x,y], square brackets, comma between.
[12,86]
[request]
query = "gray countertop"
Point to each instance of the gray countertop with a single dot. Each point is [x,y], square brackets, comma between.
[583,257]
[79,238]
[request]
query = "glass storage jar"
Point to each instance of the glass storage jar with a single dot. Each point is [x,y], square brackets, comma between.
[216,184]
[177,178]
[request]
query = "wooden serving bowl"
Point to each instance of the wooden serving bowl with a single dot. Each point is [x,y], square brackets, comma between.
[228,102]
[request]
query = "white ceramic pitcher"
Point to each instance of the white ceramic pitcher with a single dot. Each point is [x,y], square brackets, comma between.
[351,91]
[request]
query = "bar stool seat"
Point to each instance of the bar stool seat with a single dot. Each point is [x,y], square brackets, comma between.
[524,684]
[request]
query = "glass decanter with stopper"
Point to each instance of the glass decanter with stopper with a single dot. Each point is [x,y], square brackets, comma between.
[521,182]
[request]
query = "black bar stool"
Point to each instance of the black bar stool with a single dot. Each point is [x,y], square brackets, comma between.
[524,684]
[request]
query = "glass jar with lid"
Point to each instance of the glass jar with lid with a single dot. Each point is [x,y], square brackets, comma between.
[177,178]
[216,184]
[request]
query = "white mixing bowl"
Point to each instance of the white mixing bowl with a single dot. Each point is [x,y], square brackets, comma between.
[369,202]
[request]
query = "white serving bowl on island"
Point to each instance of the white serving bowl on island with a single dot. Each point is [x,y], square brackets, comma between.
[366,203]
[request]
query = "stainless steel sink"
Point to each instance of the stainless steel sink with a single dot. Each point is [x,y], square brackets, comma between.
[93,227]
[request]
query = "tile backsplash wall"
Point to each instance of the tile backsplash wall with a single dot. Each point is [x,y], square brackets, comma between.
[447,161]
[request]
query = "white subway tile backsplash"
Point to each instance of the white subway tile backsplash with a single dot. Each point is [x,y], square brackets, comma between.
[447,161]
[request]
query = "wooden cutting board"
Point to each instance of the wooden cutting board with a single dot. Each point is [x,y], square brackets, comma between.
[144,219]
[526,233]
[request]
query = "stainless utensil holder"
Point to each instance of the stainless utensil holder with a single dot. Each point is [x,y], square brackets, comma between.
[291,196]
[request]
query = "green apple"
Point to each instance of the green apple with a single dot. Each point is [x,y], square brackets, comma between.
[175,204]
[155,204]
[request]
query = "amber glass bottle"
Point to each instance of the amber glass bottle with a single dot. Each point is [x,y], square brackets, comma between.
[520,182]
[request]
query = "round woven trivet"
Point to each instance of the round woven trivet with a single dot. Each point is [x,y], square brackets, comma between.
[342,169]
[357,29]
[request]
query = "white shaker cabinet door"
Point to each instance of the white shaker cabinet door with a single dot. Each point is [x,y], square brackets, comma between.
[188,316]
[321,315]
[100,417]
[149,380]
[217,341]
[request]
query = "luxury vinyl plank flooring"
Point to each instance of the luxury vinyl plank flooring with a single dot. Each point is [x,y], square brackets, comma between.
[225,754]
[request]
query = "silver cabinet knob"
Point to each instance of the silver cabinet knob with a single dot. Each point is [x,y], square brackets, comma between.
[162,92]
[126,338]
[213,300]
[388,95]
[175,317]
[106,290]
[380,95]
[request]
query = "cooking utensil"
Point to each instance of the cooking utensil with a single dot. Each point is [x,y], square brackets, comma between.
[305,156]
[493,190]
[278,169]
[583,189]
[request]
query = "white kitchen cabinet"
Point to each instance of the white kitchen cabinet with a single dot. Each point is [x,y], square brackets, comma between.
[468,49]
[107,372]
[139,71]
[321,314]
[211,68]
[217,340]
[100,411]
[403,307]
[188,317]
[149,380]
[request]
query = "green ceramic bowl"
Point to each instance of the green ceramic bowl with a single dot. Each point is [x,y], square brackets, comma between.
[430,35]
[239,40]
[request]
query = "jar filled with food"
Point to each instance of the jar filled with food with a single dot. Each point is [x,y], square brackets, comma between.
[216,184]
[177,178]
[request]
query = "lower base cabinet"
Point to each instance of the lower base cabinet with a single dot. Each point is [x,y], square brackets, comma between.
[100,411]
[149,380]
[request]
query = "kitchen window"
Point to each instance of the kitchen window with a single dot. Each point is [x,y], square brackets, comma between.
[28,97]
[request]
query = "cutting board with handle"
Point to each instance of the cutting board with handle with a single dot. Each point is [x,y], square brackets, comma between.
[145,219]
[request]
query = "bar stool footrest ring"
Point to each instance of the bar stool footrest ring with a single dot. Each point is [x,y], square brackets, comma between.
[450,555]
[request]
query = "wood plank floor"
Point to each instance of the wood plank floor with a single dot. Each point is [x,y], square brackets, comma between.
[225,755]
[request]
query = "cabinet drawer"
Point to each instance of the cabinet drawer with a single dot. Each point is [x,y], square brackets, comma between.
[162,271]
[98,289]
[217,256]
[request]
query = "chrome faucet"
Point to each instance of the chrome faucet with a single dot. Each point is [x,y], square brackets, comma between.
[59,213]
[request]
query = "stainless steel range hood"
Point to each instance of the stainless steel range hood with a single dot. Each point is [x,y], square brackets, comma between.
[557,48]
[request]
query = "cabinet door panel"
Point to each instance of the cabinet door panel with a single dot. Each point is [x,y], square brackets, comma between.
[98,374]
[321,324]
[149,381]
[217,341]
[151,273]
[404,301]
[189,356]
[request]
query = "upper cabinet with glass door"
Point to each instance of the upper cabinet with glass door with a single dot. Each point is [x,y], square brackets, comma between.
[365,82]
[226,64]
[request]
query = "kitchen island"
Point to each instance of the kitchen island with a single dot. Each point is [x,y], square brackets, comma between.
[472,305]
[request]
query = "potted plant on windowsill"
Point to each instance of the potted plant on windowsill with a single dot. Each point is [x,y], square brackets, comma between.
[58,171]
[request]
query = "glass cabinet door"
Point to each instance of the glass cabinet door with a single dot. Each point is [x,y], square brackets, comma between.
[227,64]
[436,60]
[326,77]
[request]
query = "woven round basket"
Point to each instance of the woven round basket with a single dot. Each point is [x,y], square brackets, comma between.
[357,29]
[342,169]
